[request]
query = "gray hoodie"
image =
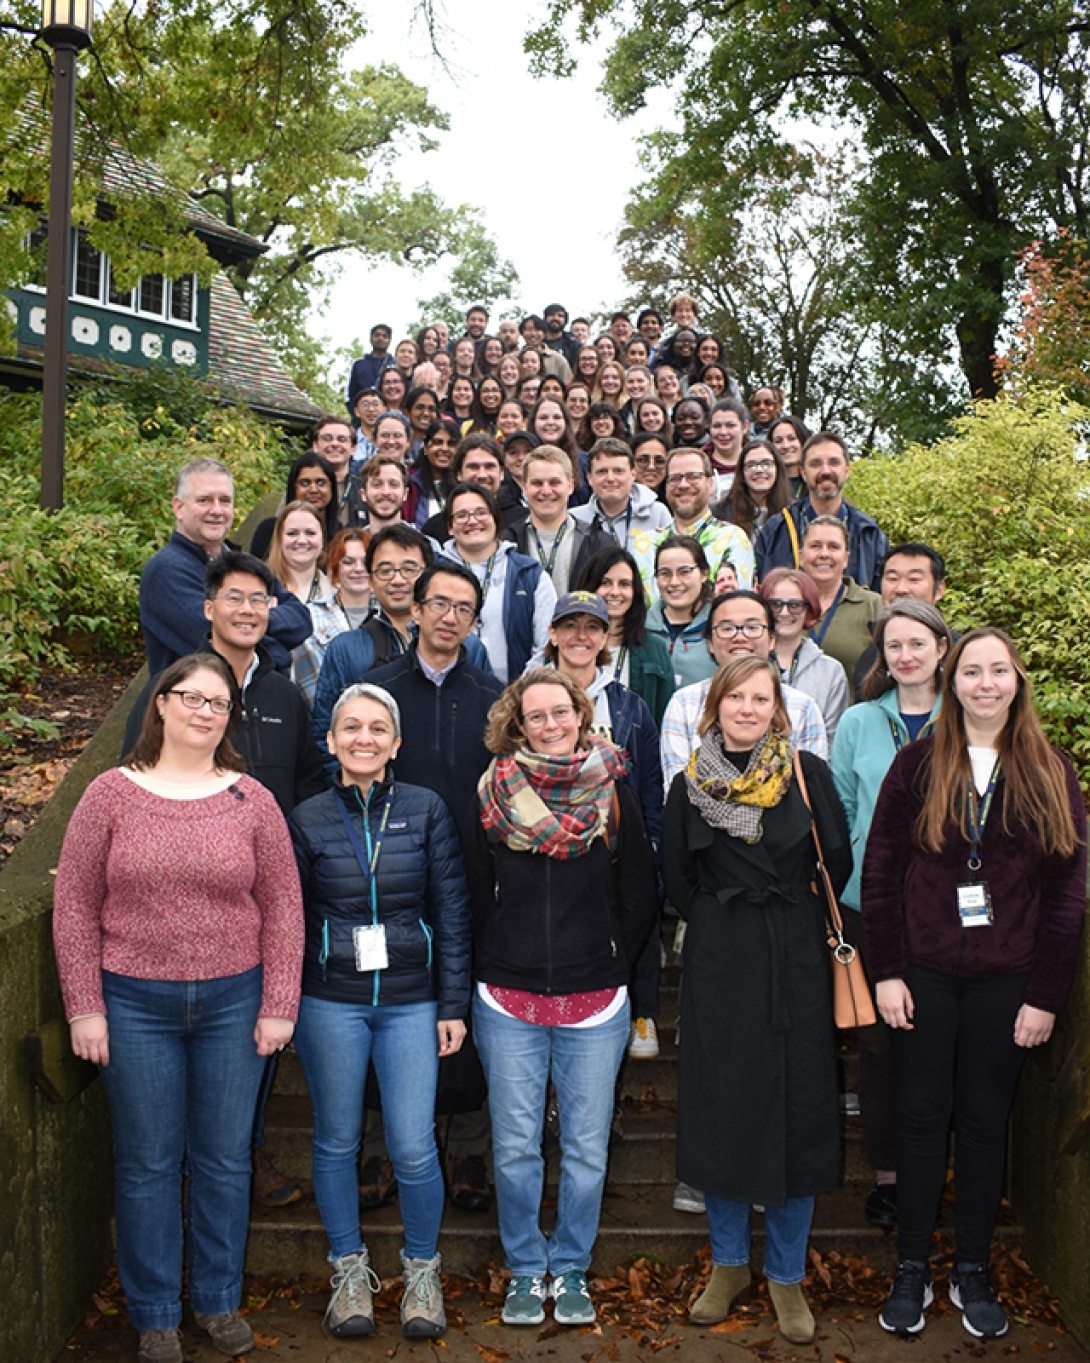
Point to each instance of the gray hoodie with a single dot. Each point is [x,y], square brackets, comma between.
[645,512]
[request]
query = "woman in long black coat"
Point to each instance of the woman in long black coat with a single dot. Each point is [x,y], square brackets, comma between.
[757,1093]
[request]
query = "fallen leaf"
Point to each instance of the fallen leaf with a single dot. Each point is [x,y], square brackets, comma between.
[265,1341]
[493,1355]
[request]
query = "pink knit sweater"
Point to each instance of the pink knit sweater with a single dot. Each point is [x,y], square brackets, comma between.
[177,890]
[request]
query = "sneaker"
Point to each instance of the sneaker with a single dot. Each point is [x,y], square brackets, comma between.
[228,1331]
[469,1188]
[687,1199]
[351,1310]
[880,1208]
[643,1041]
[573,1303]
[377,1183]
[160,1346]
[972,1294]
[422,1312]
[909,1297]
[271,1188]
[525,1301]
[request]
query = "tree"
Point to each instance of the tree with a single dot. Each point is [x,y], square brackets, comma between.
[970,119]
[246,106]
[1050,346]
[479,275]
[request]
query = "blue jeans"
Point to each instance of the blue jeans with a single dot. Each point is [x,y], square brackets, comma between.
[787,1230]
[335,1042]
[517,1058]
[182,1082]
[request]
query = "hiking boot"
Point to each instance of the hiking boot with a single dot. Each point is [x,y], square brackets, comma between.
[880,1208]
[725,1286]
[160,1346]
[688,1199]
[422,1312]
[351,1310]
[525,1301]
[972,1294]
[573,1303]
[377,1183]
[469,1188]
[792,1311]
[643,1041]
[909,1297]
[271,1188]
[228,1332]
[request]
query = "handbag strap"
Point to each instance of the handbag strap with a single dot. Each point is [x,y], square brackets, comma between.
[831,904]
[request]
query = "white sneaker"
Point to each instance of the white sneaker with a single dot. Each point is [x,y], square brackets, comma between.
[643,1040]
[688,1199]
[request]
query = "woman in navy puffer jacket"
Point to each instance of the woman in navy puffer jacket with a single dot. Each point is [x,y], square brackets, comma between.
[385,974]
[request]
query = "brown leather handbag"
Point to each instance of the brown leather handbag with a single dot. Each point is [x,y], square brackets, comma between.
[852,1002]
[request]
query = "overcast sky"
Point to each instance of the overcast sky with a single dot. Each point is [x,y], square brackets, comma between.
[543,160]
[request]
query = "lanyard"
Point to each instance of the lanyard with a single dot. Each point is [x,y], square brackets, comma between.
[816,634]
[488,577]
[611,526]
[622,654]
[899,740]
[793,670]
[976,813]
[551,563]
[369,862]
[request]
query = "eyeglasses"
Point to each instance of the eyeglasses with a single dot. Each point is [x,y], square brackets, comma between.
[439,606]
[793,607]
[311,482]
[388,571]
[480,513]
[674,479]
[760,465]
[335,439]
[193,700]
[752,629]
[258,600]
[537,719]
[647,461]
[683,574]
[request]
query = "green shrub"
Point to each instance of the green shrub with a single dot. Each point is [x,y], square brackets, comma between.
[1006,498]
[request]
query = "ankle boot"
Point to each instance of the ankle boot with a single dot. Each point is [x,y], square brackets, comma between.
[795,1317]
[724,1287]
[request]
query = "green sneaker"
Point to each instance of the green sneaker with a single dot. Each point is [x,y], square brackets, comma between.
[422,1312]
[525,1301]
[573,1303]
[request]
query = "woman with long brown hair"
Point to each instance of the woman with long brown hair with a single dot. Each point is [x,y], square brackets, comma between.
[974,891]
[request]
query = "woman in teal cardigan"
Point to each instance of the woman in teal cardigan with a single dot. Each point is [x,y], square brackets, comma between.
[679,613]
[901,700]
[641,661]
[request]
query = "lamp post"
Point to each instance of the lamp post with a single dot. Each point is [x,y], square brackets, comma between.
[66,28]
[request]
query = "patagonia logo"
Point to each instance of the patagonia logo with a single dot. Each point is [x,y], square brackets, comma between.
[398,827]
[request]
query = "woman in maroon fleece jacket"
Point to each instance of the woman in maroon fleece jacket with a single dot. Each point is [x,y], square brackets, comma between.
[974,889]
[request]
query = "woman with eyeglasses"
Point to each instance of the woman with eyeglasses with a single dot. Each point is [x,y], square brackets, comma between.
[385,978]
[679,613]
[562,887]
[518,593]
[760,489]
[311,479]
[650,451]
[739,863]
[795,608]
[178,931]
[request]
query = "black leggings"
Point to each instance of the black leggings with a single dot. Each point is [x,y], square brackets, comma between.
[959,1060]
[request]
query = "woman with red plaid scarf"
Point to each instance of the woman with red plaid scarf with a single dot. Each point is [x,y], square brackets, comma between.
[562,887]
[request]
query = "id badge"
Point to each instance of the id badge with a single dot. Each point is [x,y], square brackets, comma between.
[370,945]
[975,905]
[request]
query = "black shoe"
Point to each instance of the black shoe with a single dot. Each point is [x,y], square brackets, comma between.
[377,1183]
[972,1294]
[909,1297]
[880,1208]
[469,1188]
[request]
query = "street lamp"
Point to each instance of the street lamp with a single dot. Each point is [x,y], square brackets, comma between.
[66,28]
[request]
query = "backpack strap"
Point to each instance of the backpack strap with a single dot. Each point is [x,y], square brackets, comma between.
[613,825]
[379,635]
[793,534]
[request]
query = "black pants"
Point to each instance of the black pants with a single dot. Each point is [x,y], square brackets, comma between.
[960,1061]
[877,1084]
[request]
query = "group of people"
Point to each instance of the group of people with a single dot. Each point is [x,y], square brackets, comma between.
[505,674]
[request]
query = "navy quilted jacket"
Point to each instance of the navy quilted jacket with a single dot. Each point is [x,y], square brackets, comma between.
[421,895]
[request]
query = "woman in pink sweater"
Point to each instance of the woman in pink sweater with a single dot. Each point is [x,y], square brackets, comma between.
[178,928]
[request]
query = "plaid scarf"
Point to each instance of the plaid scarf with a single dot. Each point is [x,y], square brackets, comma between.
[555,805]
[731,799]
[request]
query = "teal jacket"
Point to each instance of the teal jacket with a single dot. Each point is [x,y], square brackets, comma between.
[651,675]
[863,752]
[690,659]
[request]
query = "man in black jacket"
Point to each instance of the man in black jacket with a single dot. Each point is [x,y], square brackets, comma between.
[443,748]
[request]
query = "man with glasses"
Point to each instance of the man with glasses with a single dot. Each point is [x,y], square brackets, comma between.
[335,440]
[172,593]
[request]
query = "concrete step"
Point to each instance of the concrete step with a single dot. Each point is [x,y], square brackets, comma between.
[636,1220]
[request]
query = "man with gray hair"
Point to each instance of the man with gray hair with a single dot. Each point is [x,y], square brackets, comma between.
[172,583]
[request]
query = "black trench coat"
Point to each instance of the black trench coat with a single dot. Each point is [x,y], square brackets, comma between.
[758,1115]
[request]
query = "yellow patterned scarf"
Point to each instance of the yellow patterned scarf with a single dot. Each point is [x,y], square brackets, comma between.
[731,799]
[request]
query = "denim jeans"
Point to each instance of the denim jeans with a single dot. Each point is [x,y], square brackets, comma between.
[517,1058]
[335,1042]
[787,1230]
[182,1082]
